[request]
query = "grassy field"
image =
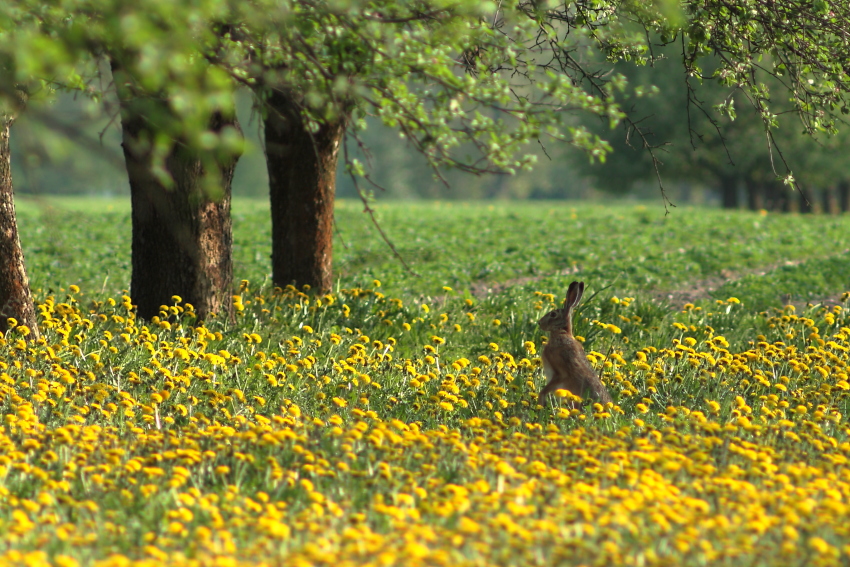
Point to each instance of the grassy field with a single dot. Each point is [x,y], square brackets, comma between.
[393,421]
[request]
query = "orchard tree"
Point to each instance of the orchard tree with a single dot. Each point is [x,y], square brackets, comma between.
[22,70]
[15,296]
[181,140]
[747,90]
[182,236]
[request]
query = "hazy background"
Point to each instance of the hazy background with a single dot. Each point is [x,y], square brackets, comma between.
[71,146]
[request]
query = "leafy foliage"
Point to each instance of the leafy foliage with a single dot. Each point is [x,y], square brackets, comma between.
[469,84]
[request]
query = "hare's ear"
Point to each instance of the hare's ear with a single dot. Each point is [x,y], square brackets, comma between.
[574,295]
[579,293]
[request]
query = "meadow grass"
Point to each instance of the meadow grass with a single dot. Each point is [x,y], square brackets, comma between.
[394,421]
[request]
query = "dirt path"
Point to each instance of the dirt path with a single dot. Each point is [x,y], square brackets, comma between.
[692,292]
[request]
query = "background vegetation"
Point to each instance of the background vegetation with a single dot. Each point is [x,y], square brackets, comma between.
[473,247]
[694,163]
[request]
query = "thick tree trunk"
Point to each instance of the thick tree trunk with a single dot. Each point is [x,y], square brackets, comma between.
[182,237]
[15,296]
[729,192]
[302,180]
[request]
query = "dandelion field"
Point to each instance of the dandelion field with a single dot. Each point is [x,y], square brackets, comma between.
[393,420]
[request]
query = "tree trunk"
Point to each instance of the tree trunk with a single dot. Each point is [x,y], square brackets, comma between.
[182,237]
[729,191]
[15,296]
[828,202]
[302,181]
[844,196]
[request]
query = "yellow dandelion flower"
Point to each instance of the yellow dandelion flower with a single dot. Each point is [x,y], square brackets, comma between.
[467,526]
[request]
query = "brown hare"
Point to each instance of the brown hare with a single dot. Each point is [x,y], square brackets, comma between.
[564,361]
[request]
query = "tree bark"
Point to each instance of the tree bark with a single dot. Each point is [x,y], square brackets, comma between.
[182,235]
[15,296]
[302,181]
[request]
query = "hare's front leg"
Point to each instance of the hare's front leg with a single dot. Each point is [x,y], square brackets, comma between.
[548,389]
[549,373]
[554,386]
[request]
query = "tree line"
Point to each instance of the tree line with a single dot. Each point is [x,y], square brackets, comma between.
[707,135]
[470,86]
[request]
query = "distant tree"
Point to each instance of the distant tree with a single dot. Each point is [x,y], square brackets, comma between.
[713,134]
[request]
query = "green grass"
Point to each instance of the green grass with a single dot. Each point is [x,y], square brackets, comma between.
[513,248]
[468,244]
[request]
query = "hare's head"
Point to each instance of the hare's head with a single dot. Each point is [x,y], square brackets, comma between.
[553,321]
[558,319]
